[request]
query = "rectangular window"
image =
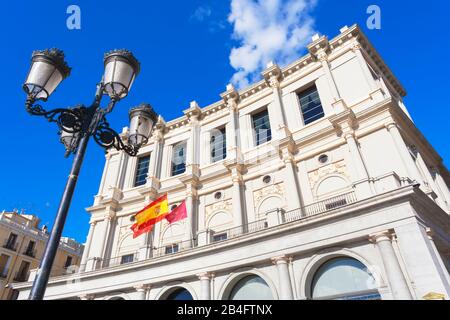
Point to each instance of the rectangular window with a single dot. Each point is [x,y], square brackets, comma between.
[4,264]
[11,242]
[142,171]
[261,127]
[30,249]
[68,262]
[22,274]
[218,145]
[179,159]
[220,237]
[310,105]
[173,248]
[127,259]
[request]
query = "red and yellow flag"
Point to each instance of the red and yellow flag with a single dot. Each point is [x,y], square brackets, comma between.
[150,215]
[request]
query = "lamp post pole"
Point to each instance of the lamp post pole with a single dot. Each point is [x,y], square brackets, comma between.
[51,248]
[78,124]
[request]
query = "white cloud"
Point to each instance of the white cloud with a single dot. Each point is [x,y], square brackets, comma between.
[268,30]
[201,13]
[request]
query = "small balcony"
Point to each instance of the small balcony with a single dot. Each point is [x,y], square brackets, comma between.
[10,245]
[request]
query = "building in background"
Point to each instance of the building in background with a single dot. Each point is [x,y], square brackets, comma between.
[313,183]
[22,245]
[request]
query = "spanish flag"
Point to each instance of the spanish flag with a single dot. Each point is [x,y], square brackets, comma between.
[150,215]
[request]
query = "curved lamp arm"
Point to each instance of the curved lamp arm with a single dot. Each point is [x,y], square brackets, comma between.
[107,138]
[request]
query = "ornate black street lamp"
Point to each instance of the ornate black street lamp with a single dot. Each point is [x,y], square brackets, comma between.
[78,124]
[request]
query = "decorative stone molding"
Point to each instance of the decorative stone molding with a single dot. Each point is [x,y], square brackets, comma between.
[344,121]
[319,48]
[231,97]
[338,167]
[225,205]
[274,189]
[87,297]
[205,275]
[273,75]
[142,287]
[381,236]
[281,260]
[193,113]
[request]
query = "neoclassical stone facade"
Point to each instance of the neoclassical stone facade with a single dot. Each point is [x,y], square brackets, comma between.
[313,174]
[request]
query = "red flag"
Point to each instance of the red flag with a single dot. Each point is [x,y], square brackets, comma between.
[177,214]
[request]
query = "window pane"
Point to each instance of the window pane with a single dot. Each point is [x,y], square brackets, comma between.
[218,145]
[261,126]
[127,259]
[142,171]
[180,294]
[251,288]
[179,159]
[310,105]
[341,277]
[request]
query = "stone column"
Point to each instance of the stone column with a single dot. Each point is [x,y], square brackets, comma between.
[237,198]
[291,184]
[154,171]
[87,248]
[191,201]
[105,172]
[205,284]
[273,76]
[430,181]
[144,244]
[319,49]
[142,290]
[193,145]
[397,281]
[442,185]
[231,98]
[408,162]
[425,267]
[376,93]
[283,277]
[362,184]
[106,232]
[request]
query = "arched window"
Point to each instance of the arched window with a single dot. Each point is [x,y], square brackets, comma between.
[251,288]
[180,294]
[344,278]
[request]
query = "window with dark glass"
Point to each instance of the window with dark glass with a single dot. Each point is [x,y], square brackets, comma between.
[179,159]
[22,274]
[11,242]
[68,262]
[261,127]
[220,237]
[142,171]
[127,259]
[310,105]
[30,249]
[218,145]
[173,248]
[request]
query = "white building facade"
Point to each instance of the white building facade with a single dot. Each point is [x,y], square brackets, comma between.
[313,183]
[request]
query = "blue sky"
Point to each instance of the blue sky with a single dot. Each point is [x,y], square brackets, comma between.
[185,49]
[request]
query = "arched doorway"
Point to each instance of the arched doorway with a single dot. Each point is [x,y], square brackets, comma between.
[251,287]
[179,294]
[344,278]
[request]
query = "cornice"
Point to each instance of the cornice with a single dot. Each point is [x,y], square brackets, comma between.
[319,46]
